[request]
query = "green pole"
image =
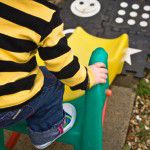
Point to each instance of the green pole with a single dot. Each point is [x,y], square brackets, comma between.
[95,99]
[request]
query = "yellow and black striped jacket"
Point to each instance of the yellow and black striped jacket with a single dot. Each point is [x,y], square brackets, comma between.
[25,27]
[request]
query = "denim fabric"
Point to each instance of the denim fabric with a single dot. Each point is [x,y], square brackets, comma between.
[44,114]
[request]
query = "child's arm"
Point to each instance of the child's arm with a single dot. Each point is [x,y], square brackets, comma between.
[59,59]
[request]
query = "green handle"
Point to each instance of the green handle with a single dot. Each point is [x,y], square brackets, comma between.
[95,99]
[2,146]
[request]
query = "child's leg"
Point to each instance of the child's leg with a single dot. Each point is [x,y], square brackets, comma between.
[48,102]
[44,113]
[46,124]
[50,108]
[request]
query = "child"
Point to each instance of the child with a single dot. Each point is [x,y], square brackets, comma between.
[35,94]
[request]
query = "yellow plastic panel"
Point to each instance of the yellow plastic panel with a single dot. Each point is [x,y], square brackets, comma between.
[83,45]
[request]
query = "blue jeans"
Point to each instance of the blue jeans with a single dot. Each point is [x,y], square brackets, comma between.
[43,114]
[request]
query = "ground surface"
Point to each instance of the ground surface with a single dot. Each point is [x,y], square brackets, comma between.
[138,136]
[104,25]
[117,118]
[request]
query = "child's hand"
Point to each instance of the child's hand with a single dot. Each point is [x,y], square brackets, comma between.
[100,72]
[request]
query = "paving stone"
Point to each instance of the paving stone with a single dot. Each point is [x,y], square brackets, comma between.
[117,119]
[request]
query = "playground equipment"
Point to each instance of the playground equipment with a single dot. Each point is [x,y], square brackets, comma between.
[83,45]
[87,131]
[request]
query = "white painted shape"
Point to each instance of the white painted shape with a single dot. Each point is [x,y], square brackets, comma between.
[119,20]
[147,8]
[135,6]
[133,14]
[121,12]
[67,31]
[145,16]
[85,8]
[131,22]
[129,52]
[124,4]
[143,23]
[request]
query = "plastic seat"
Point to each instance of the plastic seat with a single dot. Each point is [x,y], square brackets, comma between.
[83,45]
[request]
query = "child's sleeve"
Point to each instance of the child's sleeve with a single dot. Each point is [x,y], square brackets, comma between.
[60,60]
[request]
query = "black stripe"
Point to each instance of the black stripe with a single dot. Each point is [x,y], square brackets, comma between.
[47,4]
[34,23]
[55,22]
[19,106]
[68,71]
[16,45]
[61,48]
[9,66]
[83,85]
[17,86]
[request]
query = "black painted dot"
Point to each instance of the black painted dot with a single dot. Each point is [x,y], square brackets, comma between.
[81,3]
[92,4]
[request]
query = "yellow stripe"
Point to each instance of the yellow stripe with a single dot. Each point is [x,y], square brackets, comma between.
[53,38]
[78,78]
[11,29]
[91,77]
[8,77]
[14,56]
[32,8]
[23,96]
[60,62]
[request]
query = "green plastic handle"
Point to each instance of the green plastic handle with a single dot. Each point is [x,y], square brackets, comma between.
[100,55]
[95,99]
[2,146]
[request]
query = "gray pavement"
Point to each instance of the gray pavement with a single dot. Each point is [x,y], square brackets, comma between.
[117,119]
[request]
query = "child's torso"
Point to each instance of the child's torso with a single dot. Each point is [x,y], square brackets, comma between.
[22,24]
